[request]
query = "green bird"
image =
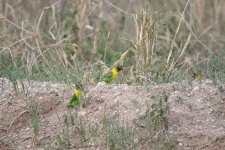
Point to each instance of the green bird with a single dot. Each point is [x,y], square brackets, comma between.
[112,74]
[197,76]
[75,100]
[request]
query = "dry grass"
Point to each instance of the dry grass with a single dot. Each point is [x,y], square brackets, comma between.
[70,40]
[69,34]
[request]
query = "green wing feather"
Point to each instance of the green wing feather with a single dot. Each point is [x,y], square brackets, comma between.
[107,77]
[74,101]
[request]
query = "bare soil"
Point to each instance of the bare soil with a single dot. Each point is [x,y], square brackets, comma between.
[196,117]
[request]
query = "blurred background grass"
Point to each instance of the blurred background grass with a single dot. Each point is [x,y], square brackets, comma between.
[69,40]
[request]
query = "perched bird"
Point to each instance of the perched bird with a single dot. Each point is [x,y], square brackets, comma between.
[76,96]
[197,76]
[112,74]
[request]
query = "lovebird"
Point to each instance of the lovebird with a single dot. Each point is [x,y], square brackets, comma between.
[112,74]
[75,100]
[197,76]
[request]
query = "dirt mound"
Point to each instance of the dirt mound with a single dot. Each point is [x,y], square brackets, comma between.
[195,119]
[196,116]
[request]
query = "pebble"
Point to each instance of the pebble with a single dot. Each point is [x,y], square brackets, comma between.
[180,144]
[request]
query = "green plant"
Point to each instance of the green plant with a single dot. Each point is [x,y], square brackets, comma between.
[216,69]
[34,121]
[179,100]
[154,123]
[117,136]
[63,137]
[8,142]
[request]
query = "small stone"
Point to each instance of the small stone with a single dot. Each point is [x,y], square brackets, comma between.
[27,129]
[82,113]
[100,84]
[180,144]
[196,88]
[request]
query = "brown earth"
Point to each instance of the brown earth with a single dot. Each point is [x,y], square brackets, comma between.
[196,117]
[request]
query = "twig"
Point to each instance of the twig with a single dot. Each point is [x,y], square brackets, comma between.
[16,42]
[177,30]
[19,27]
[51,46]
[42,13]
[24,40]
[125,12]
[122,57]
[195,36]
[53,4]
[182,52]
[19,115]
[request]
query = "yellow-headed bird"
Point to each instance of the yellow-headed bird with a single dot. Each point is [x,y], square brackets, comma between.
[197,76]
[110,76]
[75,100]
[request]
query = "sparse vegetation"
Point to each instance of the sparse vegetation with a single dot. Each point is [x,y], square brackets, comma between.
[117,136]
[154,124]
[34,121]
[76,40]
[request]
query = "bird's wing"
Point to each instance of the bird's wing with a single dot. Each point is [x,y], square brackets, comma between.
[107,77]
[74,101]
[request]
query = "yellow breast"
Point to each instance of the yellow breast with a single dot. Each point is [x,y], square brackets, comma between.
[197,76]
[114,73]
[77,93]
